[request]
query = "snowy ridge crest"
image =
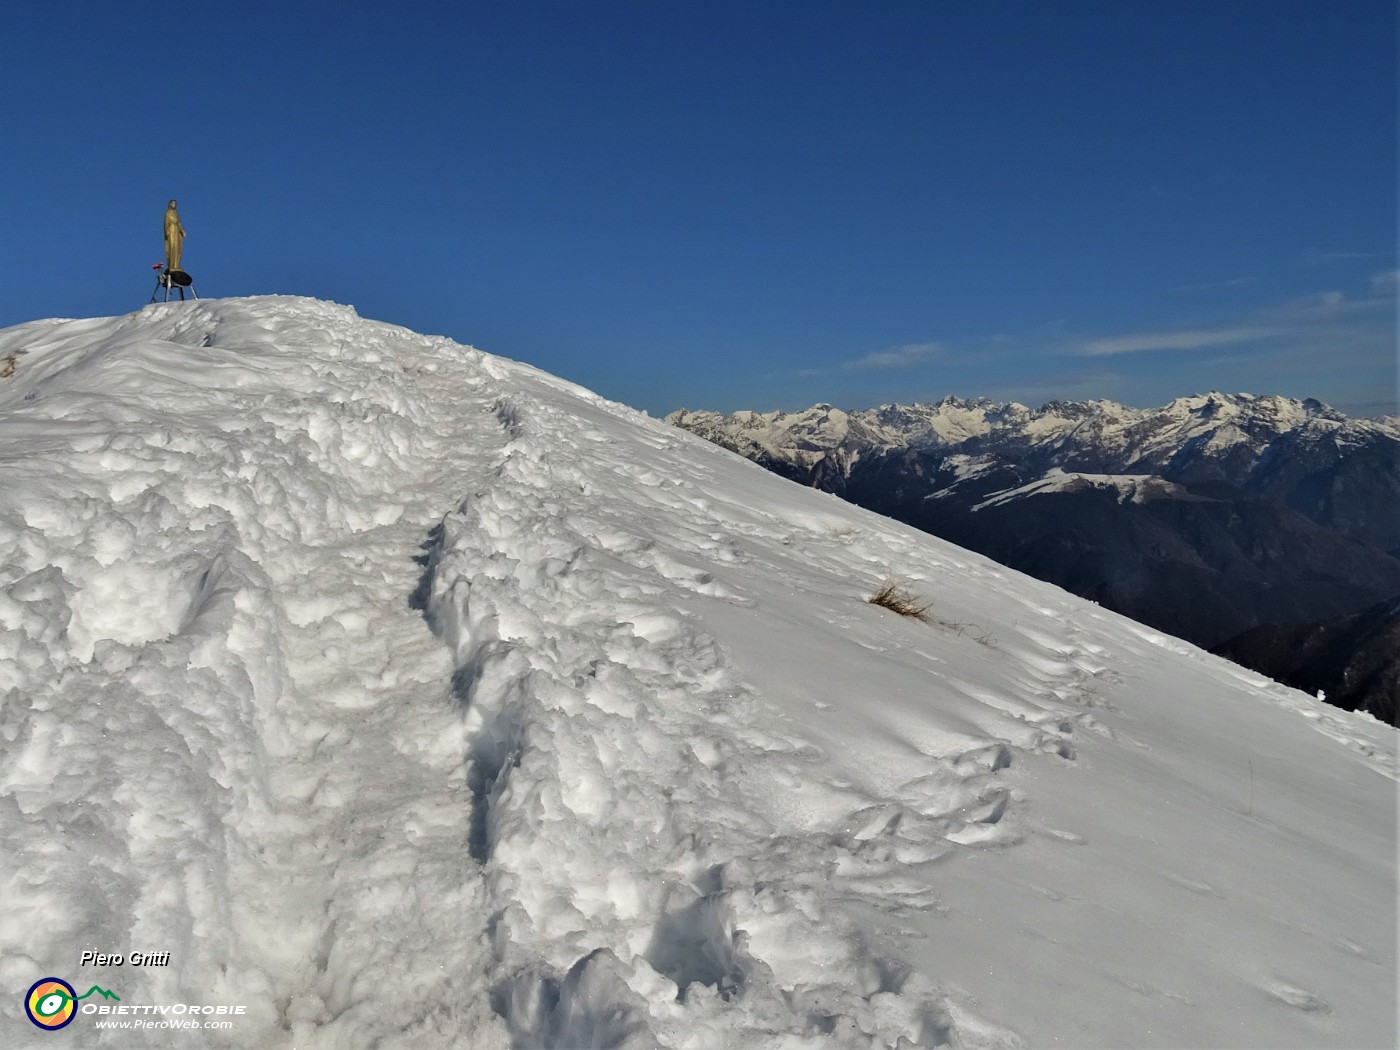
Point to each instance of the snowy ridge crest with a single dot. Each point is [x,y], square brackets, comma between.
[412,696]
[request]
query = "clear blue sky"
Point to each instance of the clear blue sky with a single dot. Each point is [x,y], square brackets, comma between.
[756,204]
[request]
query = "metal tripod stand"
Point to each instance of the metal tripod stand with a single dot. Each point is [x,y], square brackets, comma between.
[177,280]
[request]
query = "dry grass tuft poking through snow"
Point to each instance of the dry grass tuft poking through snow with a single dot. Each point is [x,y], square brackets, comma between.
[899,597]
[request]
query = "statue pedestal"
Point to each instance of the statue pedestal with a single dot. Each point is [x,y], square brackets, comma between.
[177,280]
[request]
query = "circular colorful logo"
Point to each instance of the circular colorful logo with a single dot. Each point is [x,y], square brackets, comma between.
[51,1003]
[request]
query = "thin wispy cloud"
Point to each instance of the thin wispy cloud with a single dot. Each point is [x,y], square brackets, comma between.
[1333,306]
[908,355]
[1210,286]
[1335,343]
[1182,339]
[1386,281]
[1328,256]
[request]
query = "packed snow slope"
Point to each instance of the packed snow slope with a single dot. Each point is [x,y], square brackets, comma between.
[409,696]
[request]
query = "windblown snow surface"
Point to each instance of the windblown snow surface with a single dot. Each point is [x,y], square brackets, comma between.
[410,696]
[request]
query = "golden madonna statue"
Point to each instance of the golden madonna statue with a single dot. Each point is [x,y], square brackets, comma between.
[174,239]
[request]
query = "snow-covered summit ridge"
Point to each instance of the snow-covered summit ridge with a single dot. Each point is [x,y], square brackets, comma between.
[408,695]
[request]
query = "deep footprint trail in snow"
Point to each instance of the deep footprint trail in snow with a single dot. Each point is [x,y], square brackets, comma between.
[410,695]
[244,724]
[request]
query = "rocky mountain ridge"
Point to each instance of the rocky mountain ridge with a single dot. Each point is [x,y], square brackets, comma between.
[1266,444]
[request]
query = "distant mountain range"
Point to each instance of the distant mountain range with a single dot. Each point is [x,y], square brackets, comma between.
[1209,517]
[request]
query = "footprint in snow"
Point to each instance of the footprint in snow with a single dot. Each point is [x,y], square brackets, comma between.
[1205,889]
[1299,998]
